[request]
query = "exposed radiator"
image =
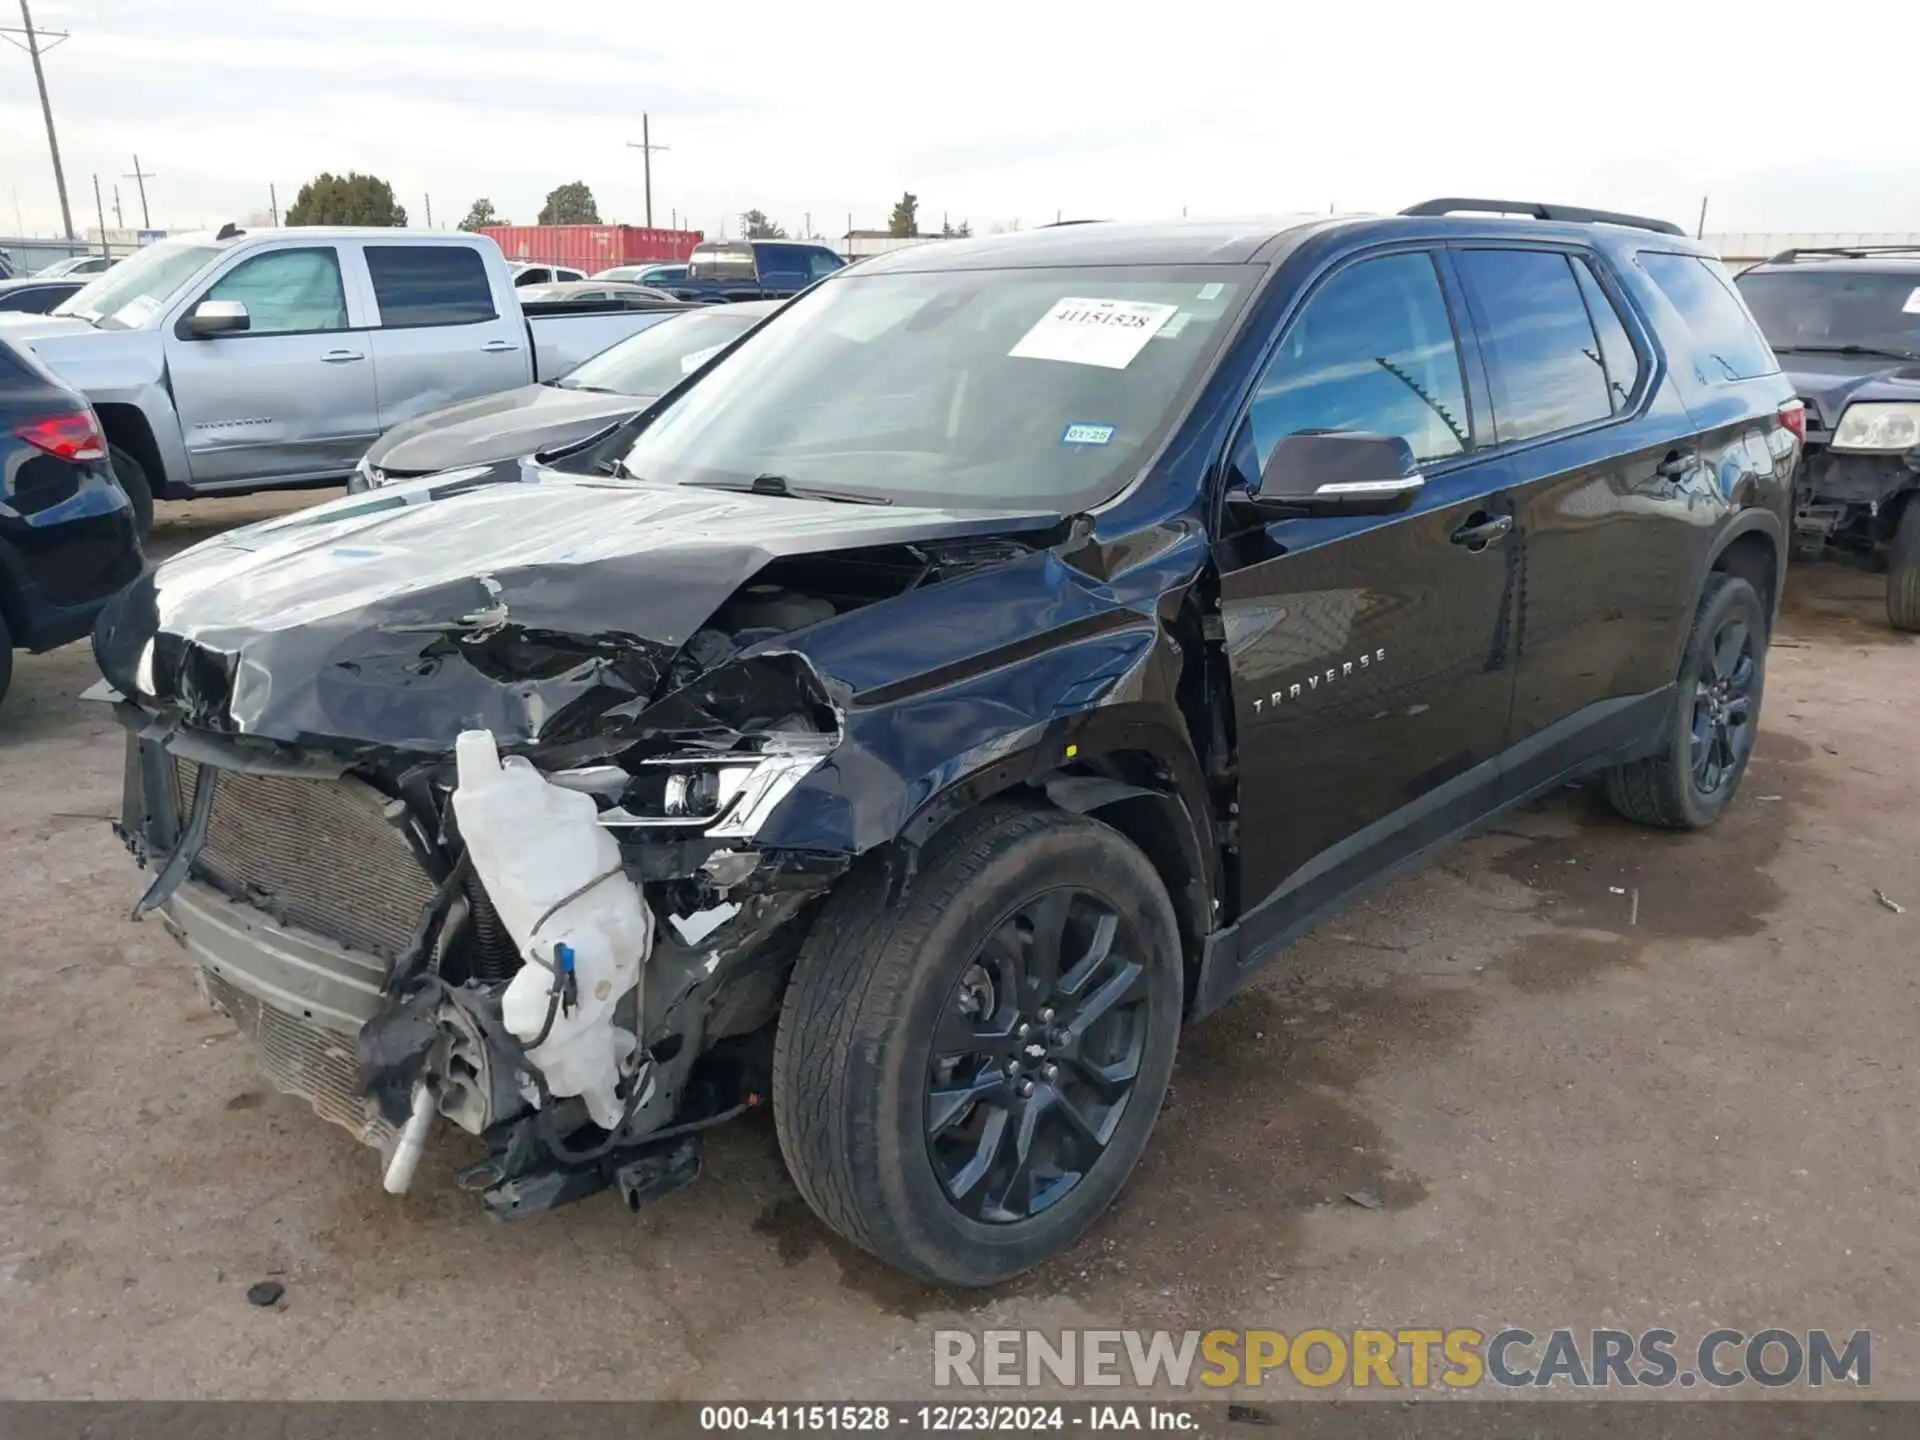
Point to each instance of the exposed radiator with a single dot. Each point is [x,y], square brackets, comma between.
[303,1059]
[319,854]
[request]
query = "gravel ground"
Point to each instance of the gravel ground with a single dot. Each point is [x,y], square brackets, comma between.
[1702,1117]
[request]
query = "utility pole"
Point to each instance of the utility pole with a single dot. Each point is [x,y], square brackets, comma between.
[119,220]
[106,251]
[646,147]
[142,177]
[1701,229]
[429,212]
[273,203]
[32,47]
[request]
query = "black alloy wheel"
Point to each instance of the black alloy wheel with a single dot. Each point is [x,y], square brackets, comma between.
[1035,1057]
[1723,705]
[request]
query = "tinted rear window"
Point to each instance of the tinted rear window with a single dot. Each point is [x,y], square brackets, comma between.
[1731,346]
[721,262]
[430,284]
[1548,372]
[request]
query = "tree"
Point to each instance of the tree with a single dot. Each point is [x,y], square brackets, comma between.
[349,199]
[905,219]
[755,225]
[481,214]
[956,232]
[570,204]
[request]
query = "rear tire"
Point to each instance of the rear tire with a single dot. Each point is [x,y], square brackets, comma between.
[131,477]
[916,1116]
[1715,717]
[1903,569]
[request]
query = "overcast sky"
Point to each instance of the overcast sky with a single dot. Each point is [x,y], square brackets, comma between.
[992,112]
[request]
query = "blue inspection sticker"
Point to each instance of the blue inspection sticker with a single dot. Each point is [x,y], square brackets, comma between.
[1084,432]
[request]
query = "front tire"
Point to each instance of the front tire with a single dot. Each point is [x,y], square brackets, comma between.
[916,1114]
[1903,569]
[131,477]
[1716,715]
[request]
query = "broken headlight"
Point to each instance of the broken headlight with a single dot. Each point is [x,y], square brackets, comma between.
[1878,428]
[723,797]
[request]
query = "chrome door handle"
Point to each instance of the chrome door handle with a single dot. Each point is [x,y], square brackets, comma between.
[341,357]
[498,347]
[1481,530]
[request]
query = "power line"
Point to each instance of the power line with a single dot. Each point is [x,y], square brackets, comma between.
[646,147]
[33,48]
[143,176]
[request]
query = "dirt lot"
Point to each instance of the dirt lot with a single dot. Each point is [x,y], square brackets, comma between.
[1703,1118]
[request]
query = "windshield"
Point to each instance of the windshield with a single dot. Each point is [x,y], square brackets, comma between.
[659,357]
[1833,308]
[139,287]
[1043,387]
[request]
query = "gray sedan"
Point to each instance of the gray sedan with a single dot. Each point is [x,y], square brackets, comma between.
[620,381]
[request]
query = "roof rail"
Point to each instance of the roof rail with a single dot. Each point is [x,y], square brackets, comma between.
[1539,211]
[1843,252]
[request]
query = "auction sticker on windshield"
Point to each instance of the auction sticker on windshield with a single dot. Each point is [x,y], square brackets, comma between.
[1108,333]
[1912,307]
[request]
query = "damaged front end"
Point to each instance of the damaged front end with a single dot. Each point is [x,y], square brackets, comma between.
[486,847]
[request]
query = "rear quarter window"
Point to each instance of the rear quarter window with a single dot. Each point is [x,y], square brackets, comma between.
[1727,344]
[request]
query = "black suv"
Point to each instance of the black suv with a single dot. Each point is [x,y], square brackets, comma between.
[1847,322]
[982,667]
[68,535]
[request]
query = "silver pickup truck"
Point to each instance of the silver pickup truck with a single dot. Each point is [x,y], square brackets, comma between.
[239,361]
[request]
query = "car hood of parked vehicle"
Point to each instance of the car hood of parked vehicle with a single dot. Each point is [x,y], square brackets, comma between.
[37,327]
[499,427]
[1833,382]
[546,607]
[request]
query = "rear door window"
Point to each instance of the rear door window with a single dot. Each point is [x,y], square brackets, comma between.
[1373,350]
[1616,346]
[1544,357]
[430,285]
[1730,344]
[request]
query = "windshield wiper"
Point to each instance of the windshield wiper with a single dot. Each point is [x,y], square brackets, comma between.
[1881,350]
[787,490]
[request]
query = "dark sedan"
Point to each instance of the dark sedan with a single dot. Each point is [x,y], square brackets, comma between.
[614,384]
[34,296]
[68,537]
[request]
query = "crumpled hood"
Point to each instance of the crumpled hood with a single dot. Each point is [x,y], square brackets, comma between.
[403,616]
[499,427]
[1832,382]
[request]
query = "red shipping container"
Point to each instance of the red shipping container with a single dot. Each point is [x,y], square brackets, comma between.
[592,248]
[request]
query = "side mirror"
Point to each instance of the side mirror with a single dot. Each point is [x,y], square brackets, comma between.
[216,317]
[1337,472]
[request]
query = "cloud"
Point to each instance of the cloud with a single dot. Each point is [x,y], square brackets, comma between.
[997,110]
